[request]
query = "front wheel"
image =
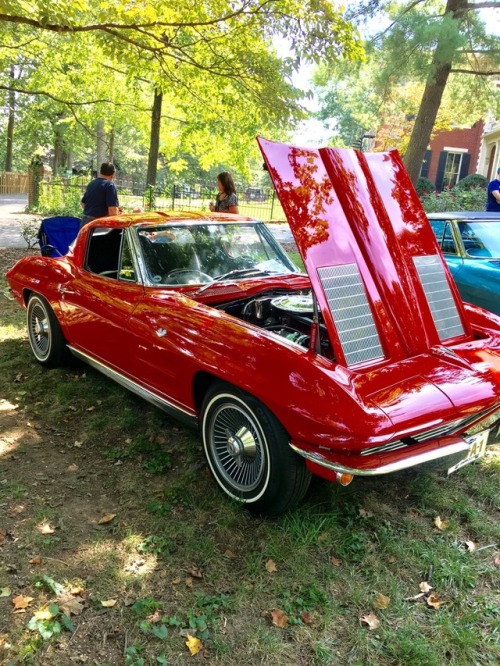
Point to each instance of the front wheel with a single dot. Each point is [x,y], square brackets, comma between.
[249,453]
[44,332]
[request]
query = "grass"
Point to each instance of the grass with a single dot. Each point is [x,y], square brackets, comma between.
[178,559]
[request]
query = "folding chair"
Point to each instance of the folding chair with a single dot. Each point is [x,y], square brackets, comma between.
[56,235]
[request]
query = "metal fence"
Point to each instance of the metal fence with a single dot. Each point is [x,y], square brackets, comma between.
[63,196]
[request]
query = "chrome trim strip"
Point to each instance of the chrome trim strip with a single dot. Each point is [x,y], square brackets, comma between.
[171,409]
[412,461]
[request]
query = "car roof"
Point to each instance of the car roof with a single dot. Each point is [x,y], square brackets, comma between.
[467,215]
[171,217]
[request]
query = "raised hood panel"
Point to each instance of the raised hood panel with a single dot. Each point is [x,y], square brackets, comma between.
[381,283]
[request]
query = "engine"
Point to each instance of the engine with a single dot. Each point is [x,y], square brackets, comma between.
[289,315]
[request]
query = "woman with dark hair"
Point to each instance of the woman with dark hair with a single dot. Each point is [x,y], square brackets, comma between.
[226,201]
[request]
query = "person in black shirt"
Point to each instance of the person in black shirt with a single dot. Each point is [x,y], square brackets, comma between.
[100,198]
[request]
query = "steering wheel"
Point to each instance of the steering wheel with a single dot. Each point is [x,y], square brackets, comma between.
[177,274]
[245,261]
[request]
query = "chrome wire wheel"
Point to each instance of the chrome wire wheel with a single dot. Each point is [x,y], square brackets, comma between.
[44,333]
[238,447]
[39,329]
[249,453]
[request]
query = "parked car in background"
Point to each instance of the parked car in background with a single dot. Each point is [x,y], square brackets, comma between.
[368,364]
[470,242]
[255,194]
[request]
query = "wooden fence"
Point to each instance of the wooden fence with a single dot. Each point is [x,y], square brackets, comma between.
[13,183]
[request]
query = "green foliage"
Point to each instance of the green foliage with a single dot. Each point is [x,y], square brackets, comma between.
[473,180]
[214,62]
[424,186]
[60,198]
[454,199]
[52,622]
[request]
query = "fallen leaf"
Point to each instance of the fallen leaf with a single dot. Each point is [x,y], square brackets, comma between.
[306,618]
[497,561]
[392,559]
[21,602]
[471,546]
[5,591]
[109,603]
[365,514]
[416,597]
[279,618]
[425,587]
[44,614]
[381,601]
[45,528]
[271,566]
[107,518]
[72,468]
[36,560]
[336,562]
[76,590]
[72,407]
[229,553]
[3,535]
[440,524]
[188,581]
[434,601]
[371,620]
[176,581]
[155,617]
[90,409]
[195,572]
[78,444]
[193,644]
[72,605]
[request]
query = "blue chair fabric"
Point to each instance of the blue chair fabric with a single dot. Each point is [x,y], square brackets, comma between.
[56,235]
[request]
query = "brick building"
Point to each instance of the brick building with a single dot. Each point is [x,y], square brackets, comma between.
[453,154]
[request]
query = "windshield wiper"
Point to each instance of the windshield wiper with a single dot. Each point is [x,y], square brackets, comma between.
[238,272]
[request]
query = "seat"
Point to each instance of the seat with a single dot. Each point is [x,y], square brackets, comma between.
[56,235]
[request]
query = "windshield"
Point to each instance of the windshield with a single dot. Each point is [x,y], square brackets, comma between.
[481,239]
[202,253]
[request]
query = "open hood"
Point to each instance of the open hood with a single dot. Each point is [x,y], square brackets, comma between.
[382,286]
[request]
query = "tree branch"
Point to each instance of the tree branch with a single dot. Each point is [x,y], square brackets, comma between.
[482,5]
[473,71]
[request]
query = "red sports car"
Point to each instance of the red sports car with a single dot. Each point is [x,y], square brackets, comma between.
[369,364]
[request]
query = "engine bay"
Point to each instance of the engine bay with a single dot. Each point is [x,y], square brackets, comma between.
[290,315]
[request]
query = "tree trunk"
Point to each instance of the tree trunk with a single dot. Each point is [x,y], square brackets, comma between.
[154,142]
[100,145]
[431,99]
[10,124]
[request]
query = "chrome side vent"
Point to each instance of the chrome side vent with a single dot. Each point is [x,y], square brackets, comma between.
[351,312]
[439,297]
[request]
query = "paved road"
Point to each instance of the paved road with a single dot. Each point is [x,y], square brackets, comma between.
[12,219]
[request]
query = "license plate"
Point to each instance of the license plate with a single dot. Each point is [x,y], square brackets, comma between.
[477,447]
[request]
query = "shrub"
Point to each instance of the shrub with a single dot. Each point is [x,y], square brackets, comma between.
[424,186]
[474,180]
[454,199]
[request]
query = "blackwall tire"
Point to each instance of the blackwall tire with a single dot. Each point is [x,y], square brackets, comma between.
[44,333]
[249,454]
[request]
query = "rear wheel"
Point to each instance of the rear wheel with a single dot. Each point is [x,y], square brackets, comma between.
[44,332]
[249,453]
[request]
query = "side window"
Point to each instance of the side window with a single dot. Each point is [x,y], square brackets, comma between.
[103,251]
[127,270]
[449,246]
[444,236]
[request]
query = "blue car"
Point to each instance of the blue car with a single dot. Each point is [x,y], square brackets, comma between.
[470,242]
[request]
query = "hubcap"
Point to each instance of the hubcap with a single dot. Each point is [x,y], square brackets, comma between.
[39,331]
[236,443]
